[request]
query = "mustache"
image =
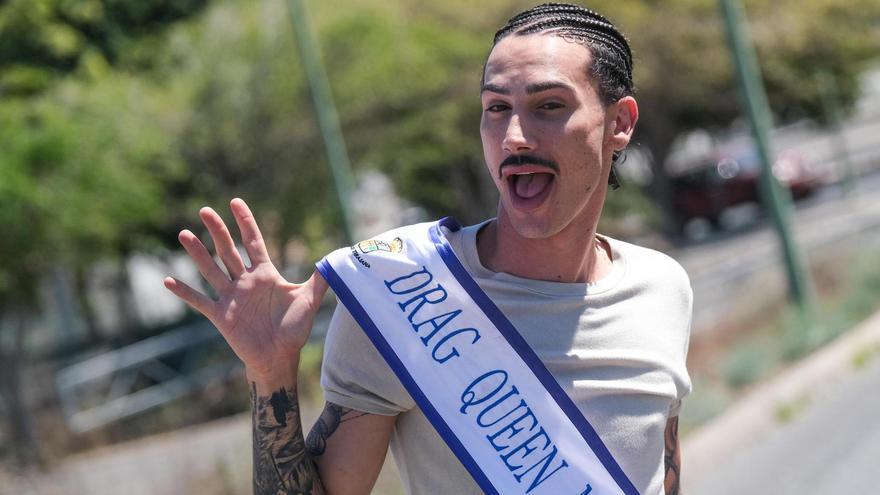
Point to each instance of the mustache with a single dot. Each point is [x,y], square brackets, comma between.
[527,159]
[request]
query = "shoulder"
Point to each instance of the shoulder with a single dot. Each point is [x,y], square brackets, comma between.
[354,374]
[650,264]
[653,271]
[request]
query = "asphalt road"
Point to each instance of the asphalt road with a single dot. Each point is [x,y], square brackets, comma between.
[731,273]
[830,446]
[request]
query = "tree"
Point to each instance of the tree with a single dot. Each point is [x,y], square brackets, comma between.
[43,41]
[85,156]
[684,73]
[405,78]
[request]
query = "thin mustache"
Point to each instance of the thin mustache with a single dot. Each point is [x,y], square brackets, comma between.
[527,159]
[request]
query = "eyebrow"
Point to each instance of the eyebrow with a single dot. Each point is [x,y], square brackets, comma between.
[494,88]
[530,89]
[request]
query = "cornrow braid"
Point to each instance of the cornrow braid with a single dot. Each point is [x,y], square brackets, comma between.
[551,9]
[612,58]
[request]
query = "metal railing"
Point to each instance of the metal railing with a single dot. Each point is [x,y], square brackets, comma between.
[128,381]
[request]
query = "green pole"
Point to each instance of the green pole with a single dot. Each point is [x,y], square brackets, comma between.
[831,107]
[328,119]
[776,199]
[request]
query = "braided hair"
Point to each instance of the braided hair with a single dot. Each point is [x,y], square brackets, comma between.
[612,63]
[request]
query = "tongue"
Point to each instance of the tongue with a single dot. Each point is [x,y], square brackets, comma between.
[529,186]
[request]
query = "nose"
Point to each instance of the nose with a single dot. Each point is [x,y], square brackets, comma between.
[515,139]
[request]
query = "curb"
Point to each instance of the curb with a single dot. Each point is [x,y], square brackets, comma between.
[759,412]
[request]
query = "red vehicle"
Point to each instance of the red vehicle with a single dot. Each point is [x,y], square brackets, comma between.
[730,178]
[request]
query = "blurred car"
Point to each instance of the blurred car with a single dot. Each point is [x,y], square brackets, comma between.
[729,177]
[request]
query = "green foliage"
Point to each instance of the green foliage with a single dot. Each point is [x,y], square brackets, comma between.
[787,337]
[309,378]
[796,40]
[857,301]
[747,363]
[865,356]
[684,73]
[704,403]
[425,95]
[87,149]
[247,129]
[787,411]
[44,40]
[82,174]
[123,120]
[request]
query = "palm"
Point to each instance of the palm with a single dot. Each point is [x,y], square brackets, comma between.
[265,319]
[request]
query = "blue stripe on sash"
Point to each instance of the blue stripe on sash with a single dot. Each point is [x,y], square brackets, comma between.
[527,354]
[360,315]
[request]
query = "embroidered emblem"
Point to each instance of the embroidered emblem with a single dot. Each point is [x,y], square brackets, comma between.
[368,246]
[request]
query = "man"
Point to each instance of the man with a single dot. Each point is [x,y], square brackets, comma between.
[609,320]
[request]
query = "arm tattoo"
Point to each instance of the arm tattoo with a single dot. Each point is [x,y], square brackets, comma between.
[672,483]
[327,423]
[281,463]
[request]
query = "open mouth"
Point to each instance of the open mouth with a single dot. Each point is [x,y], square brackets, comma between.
[529,189]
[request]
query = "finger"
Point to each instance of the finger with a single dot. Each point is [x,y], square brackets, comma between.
[318,285]
[222,242]
[204,261]
[250,232]
[198,301]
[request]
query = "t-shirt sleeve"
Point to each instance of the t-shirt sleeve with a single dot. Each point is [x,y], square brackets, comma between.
[355,375]
[684,386]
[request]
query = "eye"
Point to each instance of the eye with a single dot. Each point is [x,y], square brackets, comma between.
[497,107]
[551,105]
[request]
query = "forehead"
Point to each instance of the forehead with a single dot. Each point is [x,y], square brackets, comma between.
[521,60]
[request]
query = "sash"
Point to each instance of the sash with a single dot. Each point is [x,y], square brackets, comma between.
[476,380]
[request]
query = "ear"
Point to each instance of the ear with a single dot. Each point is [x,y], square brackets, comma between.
[625,113]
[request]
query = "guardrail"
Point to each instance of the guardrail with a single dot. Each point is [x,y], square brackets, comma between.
[128,381]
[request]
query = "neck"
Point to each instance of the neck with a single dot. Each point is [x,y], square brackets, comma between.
[573,255]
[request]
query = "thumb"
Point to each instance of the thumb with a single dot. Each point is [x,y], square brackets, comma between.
[318,286]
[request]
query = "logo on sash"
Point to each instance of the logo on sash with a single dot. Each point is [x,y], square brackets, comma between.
[370,245]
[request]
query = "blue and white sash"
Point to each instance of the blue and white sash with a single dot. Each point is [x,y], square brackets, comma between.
[477,381]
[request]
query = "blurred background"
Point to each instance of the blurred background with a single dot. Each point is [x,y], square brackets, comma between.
[120,118]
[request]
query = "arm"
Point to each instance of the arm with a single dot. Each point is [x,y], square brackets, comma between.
[343,453]
[266,320]
[672,458]
[349,448]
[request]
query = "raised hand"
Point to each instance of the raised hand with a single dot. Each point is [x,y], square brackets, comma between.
[264,318]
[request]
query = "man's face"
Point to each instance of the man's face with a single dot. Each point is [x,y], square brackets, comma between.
[547,137]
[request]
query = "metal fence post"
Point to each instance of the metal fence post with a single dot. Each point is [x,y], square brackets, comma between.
[776,199]
[325,109]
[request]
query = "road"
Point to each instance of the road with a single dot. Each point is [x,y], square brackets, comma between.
[811,429]
[833,446]
[733,274]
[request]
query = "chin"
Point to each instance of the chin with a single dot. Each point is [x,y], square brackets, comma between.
[533,225]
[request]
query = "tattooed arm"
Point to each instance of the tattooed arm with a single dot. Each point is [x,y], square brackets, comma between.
[266,320]
[672,483]
[281,462]
[349,448]
[343,453]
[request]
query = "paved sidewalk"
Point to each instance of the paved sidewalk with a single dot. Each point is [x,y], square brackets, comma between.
[812,429]
[209,459]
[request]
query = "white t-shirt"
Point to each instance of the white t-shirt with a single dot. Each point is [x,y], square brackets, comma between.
[617,347]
